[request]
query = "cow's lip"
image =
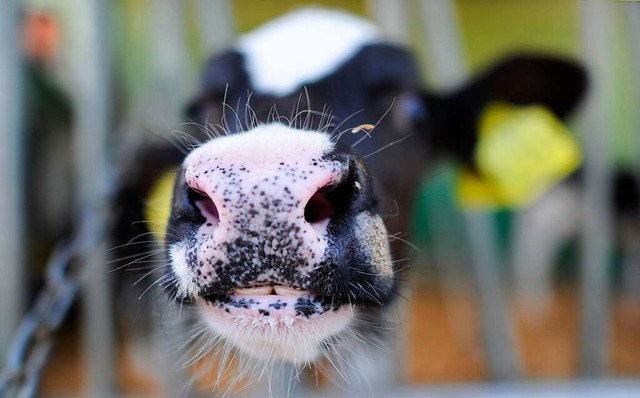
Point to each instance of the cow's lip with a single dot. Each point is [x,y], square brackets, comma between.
[261,290]
[272,300]
[266,290]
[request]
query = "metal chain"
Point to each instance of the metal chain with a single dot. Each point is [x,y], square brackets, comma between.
[32,342]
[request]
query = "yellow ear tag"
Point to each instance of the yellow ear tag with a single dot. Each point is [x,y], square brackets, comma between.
[158,206]
[521,153]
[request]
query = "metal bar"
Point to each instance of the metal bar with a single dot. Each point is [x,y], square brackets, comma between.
[168,349]
[168,66]
[12,282]
[597,37]
[450,256]
[385,370]
[216,23]
[632,13]
[172,80]
[91,64]
[499,337]
[442,38]
[280,380]
[530,389]
[392,17]
[631,245]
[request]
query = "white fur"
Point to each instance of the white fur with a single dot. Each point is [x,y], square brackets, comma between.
[284,334]
[187,285]
[265,144]
[302,47]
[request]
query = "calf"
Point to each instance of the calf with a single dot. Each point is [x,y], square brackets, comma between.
[278,224]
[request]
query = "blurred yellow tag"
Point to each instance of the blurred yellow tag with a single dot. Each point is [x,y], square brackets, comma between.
[158,207]
[521,153]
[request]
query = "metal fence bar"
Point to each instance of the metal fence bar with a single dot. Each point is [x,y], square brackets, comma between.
[391,16]
[216,23]
[443,41]
[442,38]
[632,13]
[280,381]
[385,369]
[168,67]
[498,333]
[597,22]
[171,79]
[92,95]
[631,245]
[11,174]
[174,381]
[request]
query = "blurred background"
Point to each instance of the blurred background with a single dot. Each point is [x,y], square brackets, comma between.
[544,296]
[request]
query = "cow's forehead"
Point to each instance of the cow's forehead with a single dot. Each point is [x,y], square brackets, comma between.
[301,47]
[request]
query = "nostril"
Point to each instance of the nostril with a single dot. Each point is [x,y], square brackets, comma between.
[319,211]
[207,208]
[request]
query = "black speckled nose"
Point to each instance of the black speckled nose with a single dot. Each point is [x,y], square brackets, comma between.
[248,195]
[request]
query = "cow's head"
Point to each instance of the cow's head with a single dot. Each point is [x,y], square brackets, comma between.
[276,227]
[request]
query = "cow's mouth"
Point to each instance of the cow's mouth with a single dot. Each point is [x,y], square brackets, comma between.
[279,302]
[278,320]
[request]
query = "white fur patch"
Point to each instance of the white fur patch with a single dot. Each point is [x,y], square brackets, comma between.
[187,284]
[282,334]
[266,144]
[301,47]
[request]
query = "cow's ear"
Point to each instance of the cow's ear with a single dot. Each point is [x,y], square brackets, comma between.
[554,83]
[223,80]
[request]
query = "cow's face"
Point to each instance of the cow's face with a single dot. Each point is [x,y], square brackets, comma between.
[275,234]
